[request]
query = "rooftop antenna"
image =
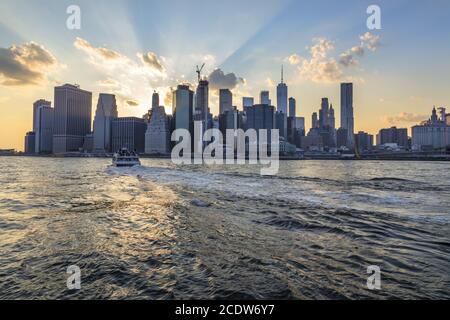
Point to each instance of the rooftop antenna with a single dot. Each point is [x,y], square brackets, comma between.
[199,72]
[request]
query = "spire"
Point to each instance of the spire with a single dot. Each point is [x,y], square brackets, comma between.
[282,74]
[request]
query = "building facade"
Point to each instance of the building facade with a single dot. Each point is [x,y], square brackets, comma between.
[158,133]
[44,129]
[106,112]
[36,106]
[247,102]
[347,118]
[282,96]
[432,134]
[292,108]
[393,135]
[30,143]
[225,101]
[72,120]
[128,132]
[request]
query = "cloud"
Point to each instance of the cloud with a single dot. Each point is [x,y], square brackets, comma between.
[270,83]
[132,103]
[219,80]
[24,64]
[151,60]
[99,52]
[323,68]
[320,68]
[405,118]
[371,41]
[348,58]
[124,76]
[294,59]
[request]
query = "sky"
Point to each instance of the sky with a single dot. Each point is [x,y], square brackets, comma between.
[131,48]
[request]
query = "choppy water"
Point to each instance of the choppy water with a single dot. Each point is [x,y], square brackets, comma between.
[308,233]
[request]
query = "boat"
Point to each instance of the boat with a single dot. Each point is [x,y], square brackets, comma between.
[126,158]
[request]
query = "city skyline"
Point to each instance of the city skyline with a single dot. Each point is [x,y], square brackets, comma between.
[387,90]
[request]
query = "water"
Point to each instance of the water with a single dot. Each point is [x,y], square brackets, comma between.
[166,232]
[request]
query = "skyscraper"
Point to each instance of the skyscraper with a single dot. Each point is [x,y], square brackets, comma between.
[128,132]
[225,101]
[314,120]
[264,98]
[36,106]
[105,114]
[182,107]
[73,116]
[44,129]
[30,140]
[201,109]
[347,118]
[292,107]
[324,113]
[282,95]
[157,134]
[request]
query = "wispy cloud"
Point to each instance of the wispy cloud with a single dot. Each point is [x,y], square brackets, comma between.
[405,118]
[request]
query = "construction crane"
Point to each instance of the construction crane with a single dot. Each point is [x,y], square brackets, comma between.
[199,72]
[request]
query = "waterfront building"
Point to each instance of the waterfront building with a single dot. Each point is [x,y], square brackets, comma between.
[44,129]
[260,116]
[225,101]
[105,114]
[341,138]
[128,132]
[393,135]
[432,134]
[347,109]
[36,106]
[30,139]
[158,132]
[363,141]
[72,118]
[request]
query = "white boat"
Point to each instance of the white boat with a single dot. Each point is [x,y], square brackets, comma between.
[126,158]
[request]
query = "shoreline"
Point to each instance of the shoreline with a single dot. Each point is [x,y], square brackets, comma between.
[435,158]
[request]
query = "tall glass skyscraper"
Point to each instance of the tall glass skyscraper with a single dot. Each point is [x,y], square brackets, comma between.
[347,119]
[73,117]
[282,95]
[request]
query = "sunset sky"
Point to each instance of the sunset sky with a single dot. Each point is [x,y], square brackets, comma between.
[131,48]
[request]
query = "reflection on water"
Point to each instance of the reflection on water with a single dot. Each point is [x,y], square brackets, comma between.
[165,232]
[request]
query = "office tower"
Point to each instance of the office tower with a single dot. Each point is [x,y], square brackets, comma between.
[225,101]
[155,100]
[432,134]
[331,118]
[393,135]
[88,143]
[324,113]
[182,108]
[158,131]
[282,95]
[341,137]
[292,107]
[105,114]
[347,118]
[314,120]
[44,129]
[247,102]
[30,146]
[281,123]
[264,98]
[260,116]
[36,106]
[363,141]
[73,114]
[128,132]
[201,109]
[231,119]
